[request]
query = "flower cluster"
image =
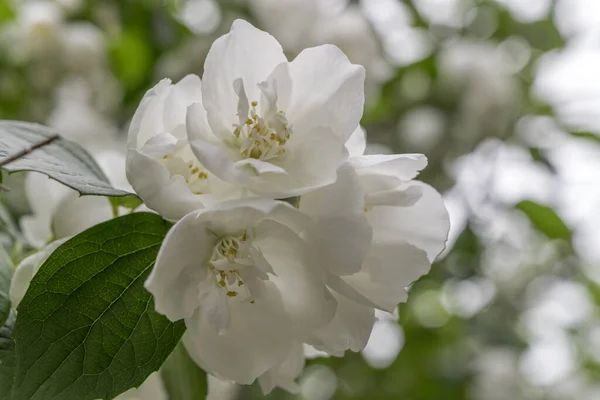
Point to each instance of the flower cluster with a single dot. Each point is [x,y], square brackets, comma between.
[286,233]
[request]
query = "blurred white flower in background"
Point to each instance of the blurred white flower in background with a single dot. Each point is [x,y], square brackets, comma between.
[36,32]
[489,100]
[200,16]
[298,24]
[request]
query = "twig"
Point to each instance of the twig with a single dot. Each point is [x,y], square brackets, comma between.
[28,150]
[4,189]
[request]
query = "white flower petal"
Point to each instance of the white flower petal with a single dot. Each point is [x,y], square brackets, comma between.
[425,225]
[221,389]
[401,197]
[245,52]
[258,339]
[327,91]
[197,124]
[357,143]
[343,197]
[349,330]
[258,167]
[339,244]
[339,285]
[308,165]
[340,235]
[27,269]
[305,296]
[76,213]
[235,216]
[185,92]
[148,118]
[213,305]
[168,196]
[389,269]
[285,374]
[181,265]
[217,160]
[160,145]
[402,166]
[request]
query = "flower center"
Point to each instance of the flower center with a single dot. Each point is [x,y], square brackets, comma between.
[230,255]
[195,175]
[261,137]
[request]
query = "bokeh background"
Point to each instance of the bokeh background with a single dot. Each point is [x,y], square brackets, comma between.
[503,96]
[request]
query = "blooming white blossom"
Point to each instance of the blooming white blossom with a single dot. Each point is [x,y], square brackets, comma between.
[409,228]
[246,286]
[299,24]
[249,127]
[36,32]
[273,127]
[160,165]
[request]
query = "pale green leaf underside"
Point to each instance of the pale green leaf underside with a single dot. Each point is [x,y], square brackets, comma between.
[63,160]
[87,328]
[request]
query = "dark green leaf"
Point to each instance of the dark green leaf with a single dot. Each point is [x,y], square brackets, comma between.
[6,271]
[87,328]
[183,379]
[7,357]
[545,220]
[65,161]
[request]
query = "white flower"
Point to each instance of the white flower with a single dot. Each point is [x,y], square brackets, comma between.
[160,165]
[246,285]
[409,228]
[83,46]
[37,29]
[274,127]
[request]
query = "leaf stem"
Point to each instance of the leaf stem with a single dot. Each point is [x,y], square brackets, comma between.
[29,150]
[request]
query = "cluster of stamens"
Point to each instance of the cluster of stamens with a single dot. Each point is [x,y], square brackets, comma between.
[231,248]
[263,138]
[194,174]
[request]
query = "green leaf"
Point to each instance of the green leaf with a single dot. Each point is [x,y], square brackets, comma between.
[6,11]
[182,377]
[131,202]
[7,357]
[6,271]
[87,328]
[545,220]
[65,161]
[587,135]
[131,56]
